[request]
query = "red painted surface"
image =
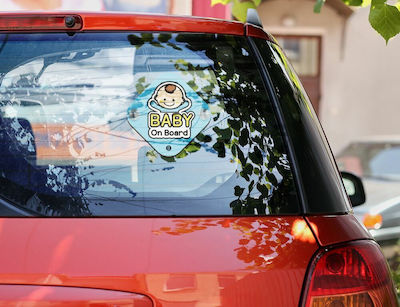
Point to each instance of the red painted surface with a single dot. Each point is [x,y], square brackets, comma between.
[135,22]
[244,261]
[203,8]
[338,228]
[23,295]
[138,22]
[37,22]
[258,32]
[210,261]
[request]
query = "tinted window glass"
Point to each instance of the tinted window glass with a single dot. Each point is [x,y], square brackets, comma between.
[324,191]
[138,124]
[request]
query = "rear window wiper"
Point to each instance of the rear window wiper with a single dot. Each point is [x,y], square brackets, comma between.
[9,208]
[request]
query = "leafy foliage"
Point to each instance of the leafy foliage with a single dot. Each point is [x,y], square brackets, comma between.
[239,7]
[260,241]
[318,6]
[243,132]
[383,17]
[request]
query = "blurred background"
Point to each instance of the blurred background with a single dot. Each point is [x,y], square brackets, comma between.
[349,73]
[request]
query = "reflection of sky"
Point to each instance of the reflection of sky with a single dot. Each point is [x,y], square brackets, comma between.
[79,120]
[150,6]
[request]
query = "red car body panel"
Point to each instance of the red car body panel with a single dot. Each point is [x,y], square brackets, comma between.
[236,261]
[333,229]
[155,23]
[24,295]
[138,22]
[172,260]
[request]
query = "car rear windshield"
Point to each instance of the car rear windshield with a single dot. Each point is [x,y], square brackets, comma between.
[137,124]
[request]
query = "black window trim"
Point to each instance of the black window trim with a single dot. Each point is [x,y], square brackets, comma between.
[266,78]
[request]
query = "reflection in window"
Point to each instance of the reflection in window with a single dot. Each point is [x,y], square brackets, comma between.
[68,149]
[177,282]
[303,53]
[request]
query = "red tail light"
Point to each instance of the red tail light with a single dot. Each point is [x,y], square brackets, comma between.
[40,22]
[354,275]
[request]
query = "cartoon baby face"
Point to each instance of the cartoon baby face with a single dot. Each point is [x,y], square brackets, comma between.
[169,96]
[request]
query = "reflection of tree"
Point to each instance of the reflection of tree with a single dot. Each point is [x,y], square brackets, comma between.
[243,125]
[242,128]
[46,190]
[261,241]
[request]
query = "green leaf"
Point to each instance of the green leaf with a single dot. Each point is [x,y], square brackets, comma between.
[181,155]
[164,37]
[241,157]
[204,138]
[168,159]
[193,147]
[235,124]
[238,191]
[318,6]
[151,155]
[219,147]
[263,189]
[224,2]
[174,46]
[207,88]
[236,206]
[256,156]
[353,2]
[140,88]
[251,186]
[193,85]
[272,179]
[366,3]
[244,137]
[234,150]
[156,44]
[385,19]
[135,40]
[224,134]
[239,9]
[147,37]
[247,171]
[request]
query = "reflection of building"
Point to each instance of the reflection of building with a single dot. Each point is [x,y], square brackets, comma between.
[199,8]
[178,7]
[17,5]
[190,289]
[153,6]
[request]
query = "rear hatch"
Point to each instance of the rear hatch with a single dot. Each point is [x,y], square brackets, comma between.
[175,262]
[161,162]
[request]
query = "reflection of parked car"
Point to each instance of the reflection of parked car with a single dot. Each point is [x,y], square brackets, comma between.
[230,197]
[377,161]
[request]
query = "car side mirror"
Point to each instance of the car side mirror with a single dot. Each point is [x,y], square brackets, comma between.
[354,188]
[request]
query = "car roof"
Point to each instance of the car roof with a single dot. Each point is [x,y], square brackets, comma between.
[122,21]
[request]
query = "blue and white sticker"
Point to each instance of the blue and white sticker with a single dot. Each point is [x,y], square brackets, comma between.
[169,115]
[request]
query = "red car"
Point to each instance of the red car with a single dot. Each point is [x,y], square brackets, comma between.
[169,161]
